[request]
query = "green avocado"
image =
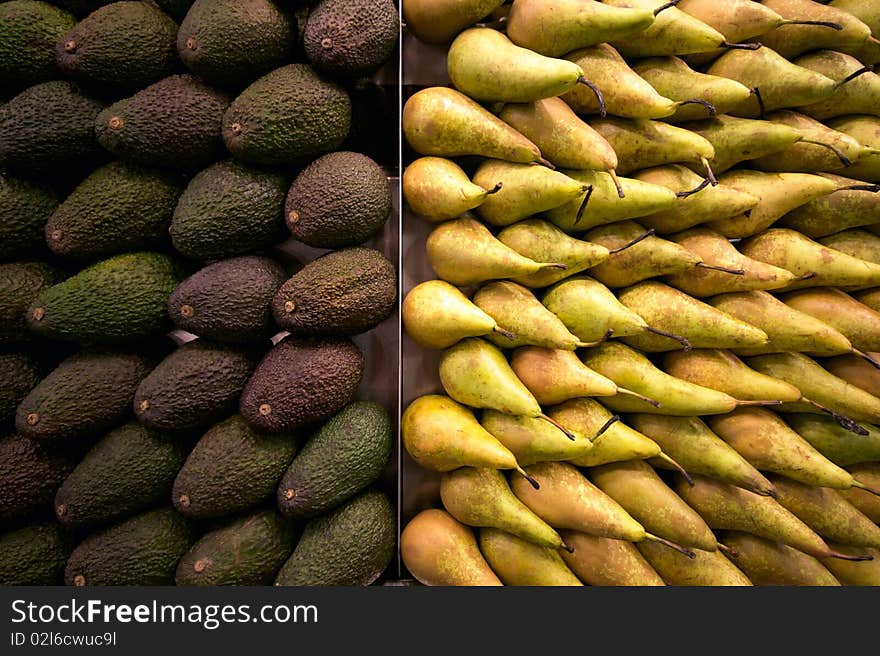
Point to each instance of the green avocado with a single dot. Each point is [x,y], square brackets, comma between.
[33,555]
[28,32]
[24,209]
[20,283]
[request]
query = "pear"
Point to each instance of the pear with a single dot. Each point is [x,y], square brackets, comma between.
[858,243]
[441,435]
[853,205]
[555,375]
[779,83]
[819,386]
[542,241]
[624,92]
[866,11]
[865,573]
[709,568]
[522,563]
[516,309]
[673,32]
[692,444]
[534,440]
[438,21]
[479,497]
[437,315]
[564,139]
[674,79]
[857,321]
[475,373]
[721,370]
[486,66]
[866,130]
[854,95]
[673,311]
[821,149]
[437,549]
[729,508]
[788,329]
[616,441]
[791,41]
[856,370]
[868,503]
[603,204]
[828,513]
[643,143]
[715,249]
[738,139]
[526,190]
[438,189]
[446,123]
[767,442]
[698,202]
[571,24]
[779,193]
[870,297]
[590,310]
[601,561]
[463,252]
[631,369]
[567,500]
[766,562]
[801,255]
[839,445]
[640,491]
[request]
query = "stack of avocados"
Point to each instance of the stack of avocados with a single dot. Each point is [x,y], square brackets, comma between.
[180,397]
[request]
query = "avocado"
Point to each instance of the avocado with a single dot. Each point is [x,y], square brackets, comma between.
[173,123]
[344,292]
[340,199]
[120,207]
[175,8]
[351,545]
[351,37]
[229,209]
[49,129]
[30,474]
[230,300]
[20,283]
[196,385]
[301,381]
[232,468]
[24,209]
[246,551]
[33,555]
[287,116]
[28,32]
[229,44]
[121,299]
[20,373]
[131,469]
[89,393]
[124,46]
[143,550]
[345,456]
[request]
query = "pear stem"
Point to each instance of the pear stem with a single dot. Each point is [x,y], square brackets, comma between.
[604,338]
[554,265]
[867,358]
[672,463]
[740,46]
[866,488]
[633,242]
[730,551]
[709,173]
[846,161]
[566,547]
[580,214]
[762,107]
[504,333]
[759,403]
[495,189]
[678,338]
[858,559]
[608,424]
[806,276]
[712,267]
[646,399]
[697,101]
[833,26]
[852,76]
[873,188]
[616,182]
[844,422]
[546,162]
[552,421]
[684,194]
[530,479]
[672,3]
[669,543]
[599,97]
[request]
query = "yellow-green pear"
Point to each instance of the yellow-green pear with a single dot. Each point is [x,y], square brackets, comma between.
[534,440]
[857,370]
[766,562]
[866,11]
[855,204]
[436,315]
[444,122]
[709,568]
[865,498]
[526,190]
[791,41]
[519,562]
[438,189]
[866,130]
[737,20]
[870,297]
[863,573]
[862,244]
[840,446]
[464,252]
[831,305]
[854,95]
[607,562]
[438,21]
[437,549]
